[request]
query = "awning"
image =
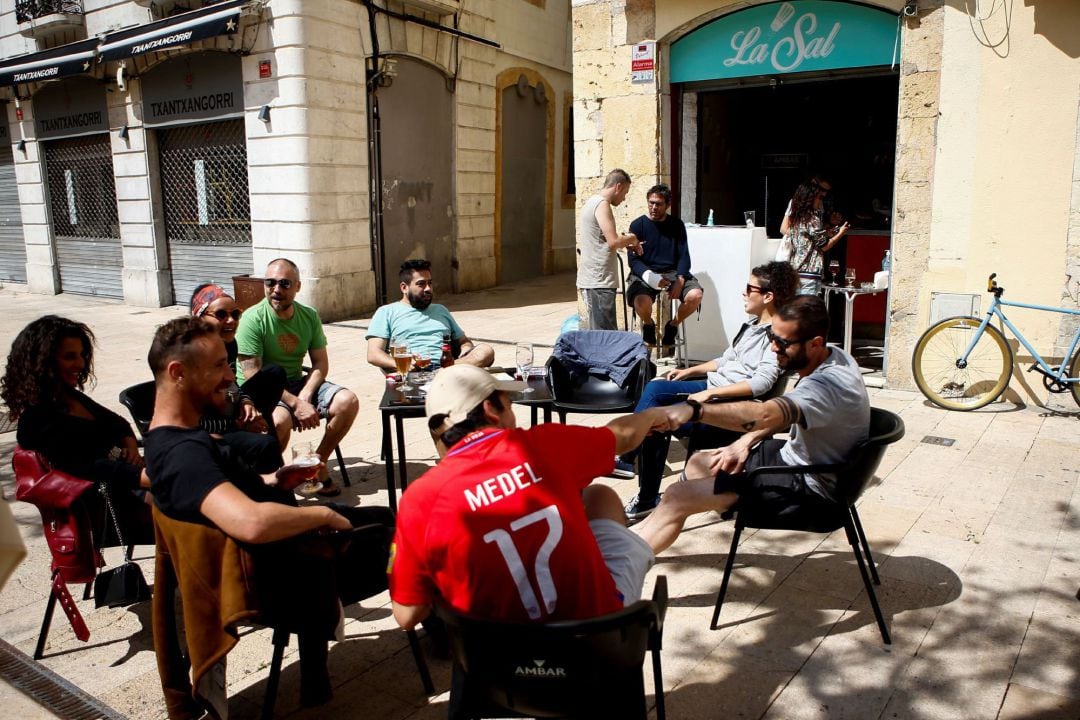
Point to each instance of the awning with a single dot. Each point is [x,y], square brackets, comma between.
[72,59]
[183,29]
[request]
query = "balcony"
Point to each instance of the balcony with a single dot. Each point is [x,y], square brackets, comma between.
[43,19]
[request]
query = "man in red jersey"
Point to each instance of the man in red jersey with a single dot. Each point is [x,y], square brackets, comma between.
[507,525]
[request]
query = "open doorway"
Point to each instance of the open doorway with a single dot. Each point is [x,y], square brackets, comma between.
[758,143]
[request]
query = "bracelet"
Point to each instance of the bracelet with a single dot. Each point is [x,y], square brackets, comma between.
[696,406]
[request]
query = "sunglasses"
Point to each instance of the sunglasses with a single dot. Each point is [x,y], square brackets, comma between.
[750,289]
[221,315]
[285,283]
[783,343]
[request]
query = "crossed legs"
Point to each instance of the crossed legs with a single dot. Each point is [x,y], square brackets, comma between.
[683,499]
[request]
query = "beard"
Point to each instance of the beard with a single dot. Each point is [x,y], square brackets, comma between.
[793,364]
[420,301]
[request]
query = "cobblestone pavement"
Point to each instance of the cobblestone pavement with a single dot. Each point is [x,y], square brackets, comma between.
[978,545]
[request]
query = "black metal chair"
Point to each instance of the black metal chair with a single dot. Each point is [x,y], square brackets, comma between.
[596,393]
[852,478]
[575,669]
[139,400]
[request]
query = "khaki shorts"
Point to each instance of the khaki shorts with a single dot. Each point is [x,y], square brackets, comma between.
[627,556]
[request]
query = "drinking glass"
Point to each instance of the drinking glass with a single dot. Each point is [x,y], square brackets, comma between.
[834,267]
[523,353]
[403,361]
[421,363]
[304,455]
[750,216]
[849,275]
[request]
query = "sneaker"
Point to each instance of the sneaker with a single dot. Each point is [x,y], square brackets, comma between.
[623,469]
[671,332]
[637,510]
[648,334]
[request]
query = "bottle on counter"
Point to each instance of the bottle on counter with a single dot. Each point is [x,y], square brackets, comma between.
[886,262]
[709,222]
[447,358]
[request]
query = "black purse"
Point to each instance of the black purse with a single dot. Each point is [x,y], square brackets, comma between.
[124,584]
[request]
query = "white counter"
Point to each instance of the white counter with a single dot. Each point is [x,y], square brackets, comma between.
[721,259]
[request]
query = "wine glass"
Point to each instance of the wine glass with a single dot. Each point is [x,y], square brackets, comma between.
[304,455]
[523,353]
[834,267]
[849,275]
[403,360]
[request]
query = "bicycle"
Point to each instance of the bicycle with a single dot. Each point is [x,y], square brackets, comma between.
[964,363]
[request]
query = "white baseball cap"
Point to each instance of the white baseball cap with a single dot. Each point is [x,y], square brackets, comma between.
[458,389]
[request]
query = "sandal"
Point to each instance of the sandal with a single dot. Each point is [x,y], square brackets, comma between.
[329,490]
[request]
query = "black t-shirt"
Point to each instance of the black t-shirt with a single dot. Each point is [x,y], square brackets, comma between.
[185,464]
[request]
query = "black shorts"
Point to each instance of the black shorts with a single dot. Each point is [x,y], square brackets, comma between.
[770,494]
[638,286]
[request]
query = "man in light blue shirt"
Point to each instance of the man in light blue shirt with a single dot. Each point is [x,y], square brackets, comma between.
[417,322]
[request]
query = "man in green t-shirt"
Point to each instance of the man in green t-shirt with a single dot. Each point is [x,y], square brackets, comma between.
[281,331]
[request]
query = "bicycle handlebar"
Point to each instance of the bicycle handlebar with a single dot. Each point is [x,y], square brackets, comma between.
[992,286]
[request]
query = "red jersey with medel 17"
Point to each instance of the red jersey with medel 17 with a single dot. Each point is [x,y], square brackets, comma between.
[498,529]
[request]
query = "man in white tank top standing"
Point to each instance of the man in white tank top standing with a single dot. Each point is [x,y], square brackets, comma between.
[597,242]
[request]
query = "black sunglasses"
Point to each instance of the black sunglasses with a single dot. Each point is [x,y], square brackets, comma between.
[783,343]
[285,283]
[222,314]
[756,288]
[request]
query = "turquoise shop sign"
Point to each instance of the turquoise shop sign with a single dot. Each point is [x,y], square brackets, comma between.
[787,37]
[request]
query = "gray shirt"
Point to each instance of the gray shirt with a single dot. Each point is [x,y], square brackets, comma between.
[597,265]
[750,359]
[835,418]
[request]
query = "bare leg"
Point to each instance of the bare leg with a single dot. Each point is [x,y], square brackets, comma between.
[682,499]
[283,423]
[643,306]
[343,409]
[601,502]
[480,356]
[688,306]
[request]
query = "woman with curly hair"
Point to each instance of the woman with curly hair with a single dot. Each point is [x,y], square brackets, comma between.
[50,363]
[805,228]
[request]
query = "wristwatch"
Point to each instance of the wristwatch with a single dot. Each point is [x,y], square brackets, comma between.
[696,407]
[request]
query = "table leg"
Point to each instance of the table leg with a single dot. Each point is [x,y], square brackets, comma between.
[401,451]
[849,310]
[547,413]
[388,459]
[533,415]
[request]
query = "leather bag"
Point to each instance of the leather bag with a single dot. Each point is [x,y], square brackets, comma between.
[122,585]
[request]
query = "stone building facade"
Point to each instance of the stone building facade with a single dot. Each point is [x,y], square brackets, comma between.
[986,152]
[206,188]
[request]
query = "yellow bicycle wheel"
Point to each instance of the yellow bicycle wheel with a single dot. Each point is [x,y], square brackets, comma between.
[953,385]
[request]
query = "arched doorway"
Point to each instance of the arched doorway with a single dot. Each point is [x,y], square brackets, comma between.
[523,196]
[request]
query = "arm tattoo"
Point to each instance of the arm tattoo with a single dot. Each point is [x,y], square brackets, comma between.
[789,411]
[250,365]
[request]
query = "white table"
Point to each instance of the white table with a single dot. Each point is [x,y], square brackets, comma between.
[850,293]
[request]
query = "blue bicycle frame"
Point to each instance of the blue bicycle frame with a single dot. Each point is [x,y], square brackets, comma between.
[996,304]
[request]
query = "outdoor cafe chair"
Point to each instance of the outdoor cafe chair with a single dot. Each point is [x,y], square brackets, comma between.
[139,400]
[589,668]
[218,582]
[594,392]
[852,479]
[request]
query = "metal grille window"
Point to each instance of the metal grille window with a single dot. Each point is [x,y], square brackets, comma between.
[204,185]
[82,205]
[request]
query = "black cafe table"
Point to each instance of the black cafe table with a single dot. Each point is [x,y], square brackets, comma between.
[399,406]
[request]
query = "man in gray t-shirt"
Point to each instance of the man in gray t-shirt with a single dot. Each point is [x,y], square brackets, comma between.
[598,270]
[827,414]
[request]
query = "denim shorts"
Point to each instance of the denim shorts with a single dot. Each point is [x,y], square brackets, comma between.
[323,395]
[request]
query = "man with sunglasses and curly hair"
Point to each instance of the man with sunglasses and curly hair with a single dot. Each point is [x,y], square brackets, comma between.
[827,415]
[281,331]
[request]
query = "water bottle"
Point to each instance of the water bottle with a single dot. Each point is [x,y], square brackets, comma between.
[886,262]
[710,220]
